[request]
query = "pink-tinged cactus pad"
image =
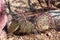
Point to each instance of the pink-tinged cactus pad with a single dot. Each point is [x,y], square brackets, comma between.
[44,21]
[3,21]
[3,35]
[1,5]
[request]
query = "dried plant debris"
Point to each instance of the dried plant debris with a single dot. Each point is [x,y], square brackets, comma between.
[48,35]
[56,17]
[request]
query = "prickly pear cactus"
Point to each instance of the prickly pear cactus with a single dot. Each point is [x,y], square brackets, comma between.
[20,23]
[13,24]
[44,21]
[26,26]
[1,5]
[13,27]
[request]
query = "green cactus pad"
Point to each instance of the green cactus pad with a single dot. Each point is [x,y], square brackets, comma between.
[26,26]
[13,27]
